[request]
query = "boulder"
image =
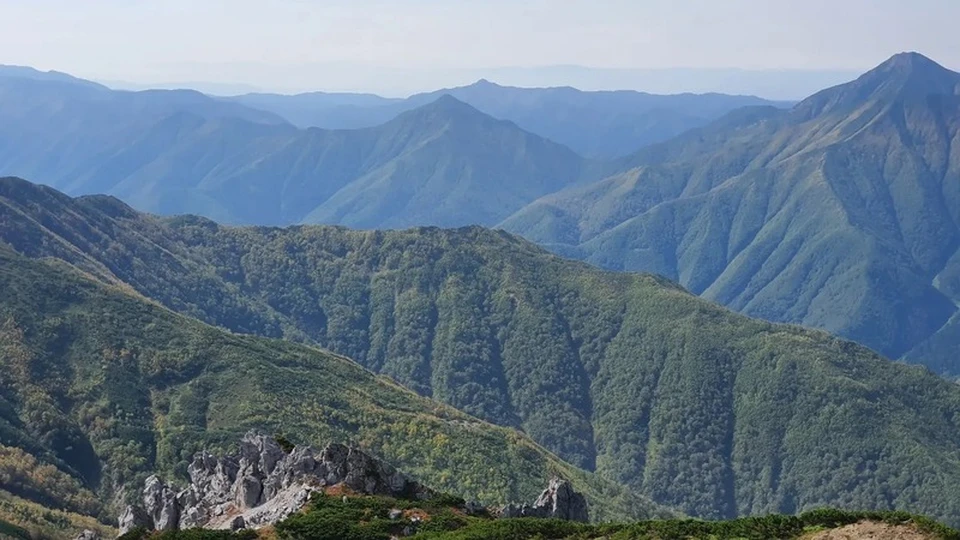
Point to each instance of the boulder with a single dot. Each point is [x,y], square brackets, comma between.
[134,517]
[88,535]
[557,501]
[249,492]
[561,502]
[160,503]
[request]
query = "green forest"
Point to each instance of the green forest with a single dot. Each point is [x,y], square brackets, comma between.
[627,375]
[101,388]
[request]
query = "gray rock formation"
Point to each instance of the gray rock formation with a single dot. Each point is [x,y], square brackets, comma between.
[160,504]
[134,517]
[261,485]
[88,535]
[558,501]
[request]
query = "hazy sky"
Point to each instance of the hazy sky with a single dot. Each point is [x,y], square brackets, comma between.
[339,44]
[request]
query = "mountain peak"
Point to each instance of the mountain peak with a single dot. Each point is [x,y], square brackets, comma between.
[908,61]
[445,105]
[447,100]
[907,76]
[442,113]
[485,83]
[914,70]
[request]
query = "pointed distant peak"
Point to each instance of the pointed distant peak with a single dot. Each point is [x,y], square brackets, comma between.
[480,87]
[444,105]
[912,65]
[910,73]
[447,101]
[446,110]
[908,61]
[485,83]
[907,77]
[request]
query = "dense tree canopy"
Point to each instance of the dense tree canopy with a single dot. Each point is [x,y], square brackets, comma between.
[697,407]
[101,387]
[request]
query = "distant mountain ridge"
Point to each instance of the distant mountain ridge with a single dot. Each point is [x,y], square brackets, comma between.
[775,84]
[805,216]
[172,152]
[598,124]
[434,161]
[64,129]
[25,72]
[840,213]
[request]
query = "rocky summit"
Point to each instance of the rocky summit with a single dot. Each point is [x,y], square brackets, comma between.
[261,485]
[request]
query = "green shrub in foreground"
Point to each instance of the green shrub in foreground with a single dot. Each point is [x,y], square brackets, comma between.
[752,528]
[366,518]
[767,527]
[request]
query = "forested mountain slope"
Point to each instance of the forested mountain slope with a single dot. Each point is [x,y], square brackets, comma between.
[841,213]
[695,406]
[101,387]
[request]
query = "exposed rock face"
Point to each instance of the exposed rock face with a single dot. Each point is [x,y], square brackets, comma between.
[261,485]
[558,501]
[88,535]
[160,504]
[134,517]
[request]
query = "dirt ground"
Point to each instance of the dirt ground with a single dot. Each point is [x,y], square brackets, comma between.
[870,530]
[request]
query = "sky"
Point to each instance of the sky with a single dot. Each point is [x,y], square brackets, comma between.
[401,46]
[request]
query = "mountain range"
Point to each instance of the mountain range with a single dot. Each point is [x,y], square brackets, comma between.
[429,160]
[443,164]
[840,213]
[129,340]
[600,124]
[626,375]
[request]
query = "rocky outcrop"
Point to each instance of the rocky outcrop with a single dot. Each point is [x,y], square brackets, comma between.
[558,501]
[88,535]
[134,517]
[160,503]
[261,485]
